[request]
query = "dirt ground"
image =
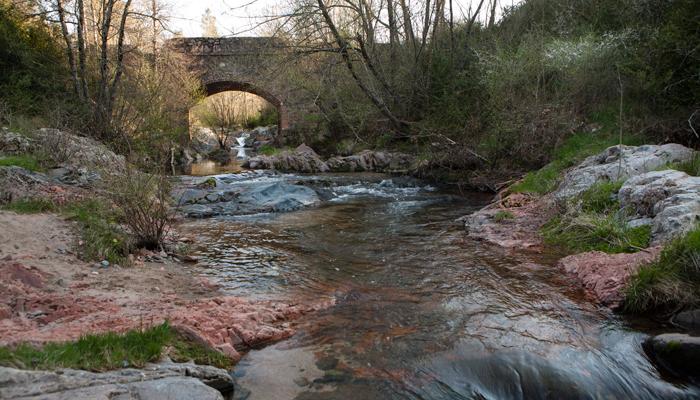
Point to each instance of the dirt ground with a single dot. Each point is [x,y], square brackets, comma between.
[48,294]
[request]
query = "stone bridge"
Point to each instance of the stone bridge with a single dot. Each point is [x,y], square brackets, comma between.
[249,64]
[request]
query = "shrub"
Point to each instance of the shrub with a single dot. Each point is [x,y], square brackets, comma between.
[673,281]
[142,201]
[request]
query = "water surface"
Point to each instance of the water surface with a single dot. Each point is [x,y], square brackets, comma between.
[422,311]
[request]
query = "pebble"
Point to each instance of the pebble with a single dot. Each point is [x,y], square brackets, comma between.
[104,263]
[95,273]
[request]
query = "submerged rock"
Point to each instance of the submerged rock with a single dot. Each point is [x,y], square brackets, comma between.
[670,198]
[155,381]
[619,163]
[249,199]
[676,353]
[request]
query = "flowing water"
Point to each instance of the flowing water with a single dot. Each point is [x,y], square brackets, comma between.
[422,312]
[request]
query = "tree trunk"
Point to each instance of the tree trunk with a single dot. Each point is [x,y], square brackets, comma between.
[69,47]
[343,49]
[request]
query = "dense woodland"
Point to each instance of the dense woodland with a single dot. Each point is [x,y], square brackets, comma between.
[498,89]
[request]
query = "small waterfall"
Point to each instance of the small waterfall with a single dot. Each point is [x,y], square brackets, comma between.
[241,141]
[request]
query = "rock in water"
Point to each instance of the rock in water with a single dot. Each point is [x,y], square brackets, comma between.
[689,320]
[619,163]
[677,353]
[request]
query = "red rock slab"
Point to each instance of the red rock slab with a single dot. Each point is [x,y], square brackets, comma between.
[603,275]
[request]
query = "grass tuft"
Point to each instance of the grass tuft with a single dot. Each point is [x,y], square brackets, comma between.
[589,231]
[25,161]
[673,281]
[268,150]
[102,237]
[30,206]
[110,351]
[601,197]
[503,215]
[690,167]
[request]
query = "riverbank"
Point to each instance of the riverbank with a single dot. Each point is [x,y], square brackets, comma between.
[626,221]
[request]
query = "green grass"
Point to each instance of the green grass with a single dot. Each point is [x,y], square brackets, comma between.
[268,150]
[690,167]
[25,161]
[503,215]
[102,237]
[589,231]
[30,206]
[111,351]
[672,282]
[601,197]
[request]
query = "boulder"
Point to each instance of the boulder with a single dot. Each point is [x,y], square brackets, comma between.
[17,183]
[12,143]
[69,150]
[670,198]
[368,160]
[155,381]
[604,275]
[676,353]
[689,319]
[302,159]
[619,163]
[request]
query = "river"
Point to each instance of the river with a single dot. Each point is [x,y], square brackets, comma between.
[422,312]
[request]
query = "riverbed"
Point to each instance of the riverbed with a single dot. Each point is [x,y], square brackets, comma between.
[421,311]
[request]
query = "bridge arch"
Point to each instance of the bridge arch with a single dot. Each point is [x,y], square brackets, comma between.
[253,65]
[212,88]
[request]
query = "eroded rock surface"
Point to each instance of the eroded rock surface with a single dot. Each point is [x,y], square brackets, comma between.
[302,159]
[671,198]
[619,163]
[605,275]
[513,222]
[245,199]
[154,382]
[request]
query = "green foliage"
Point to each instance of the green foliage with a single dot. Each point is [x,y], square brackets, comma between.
[30,206]
[112,351]
[503,215]
[32,68]
[102,237]
[268,150]
[25,161]
[588,231]
[672,282]
[267,116]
